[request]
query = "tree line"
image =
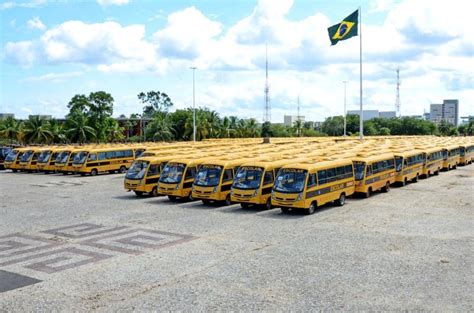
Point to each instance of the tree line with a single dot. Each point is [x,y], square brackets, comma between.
[90,120]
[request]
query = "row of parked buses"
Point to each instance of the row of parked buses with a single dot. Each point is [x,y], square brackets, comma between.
[295,175]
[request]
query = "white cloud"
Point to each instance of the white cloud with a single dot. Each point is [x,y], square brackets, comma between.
[54,77]
[112,2]
[22,4]
[35,23]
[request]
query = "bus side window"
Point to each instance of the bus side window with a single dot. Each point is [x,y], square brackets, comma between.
[154,169]
[322,177]
[268,178]
[110,154]
[228,175]
[312,180]
[368,171]
[92,157]
[190,173]
[405,163]
[101,155]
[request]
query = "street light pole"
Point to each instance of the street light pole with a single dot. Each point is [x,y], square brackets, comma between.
[345,112]
[194,105]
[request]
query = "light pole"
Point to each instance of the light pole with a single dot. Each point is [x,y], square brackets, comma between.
[194,105]
[345,114]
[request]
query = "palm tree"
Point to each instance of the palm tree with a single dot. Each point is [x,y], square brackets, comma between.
[57,129]
[160,129]
[78,129]
[214,122]
[114,132]
[10,129]
[252,128]
[37,130]
[298,125]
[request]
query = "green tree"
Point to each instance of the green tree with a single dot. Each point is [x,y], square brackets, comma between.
[155,102]
[57,130]
[384,131]
[77,128]
[10,129]
[114,132]
[333,126]
[36,130]
[160,129]
[444,127]
[266,129]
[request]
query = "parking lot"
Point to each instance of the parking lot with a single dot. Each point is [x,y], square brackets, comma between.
[84,243]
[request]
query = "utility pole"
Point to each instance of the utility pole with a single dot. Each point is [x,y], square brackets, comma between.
[267,116]
[397,100]
[194,104]
[345,111]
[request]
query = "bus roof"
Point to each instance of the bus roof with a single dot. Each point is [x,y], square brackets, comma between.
[374,158]
[319,165]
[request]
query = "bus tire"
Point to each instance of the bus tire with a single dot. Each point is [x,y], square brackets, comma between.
[154,192]
[123,169]
[369,192]
[172,198]
[415,179]
[311,209]
[387,187]
[83,174]
[138,193]
[227,200]
[206,202]
[94,172]
[428,174]
[268,204]
[245,205]
[342,199]
[14,170]
[285,210]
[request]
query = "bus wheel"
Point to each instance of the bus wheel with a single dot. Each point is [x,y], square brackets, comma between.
[172,198]
[14,170]
[285,210]
[227,200]
[415,180]
[387,187]
[369,192]
[154,192]
[138,193]
[123,169]
[206,202]
[405,181]
[428,174]
[311,209]
[94,172]
[245,205]
[268,204]
[342,199]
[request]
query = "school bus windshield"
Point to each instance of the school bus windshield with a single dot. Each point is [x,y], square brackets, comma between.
[359,168]
[11,156]
[44,156]
[208,175]
[172,173]
[137,170]
[80,158]
[290,180]
[248,178]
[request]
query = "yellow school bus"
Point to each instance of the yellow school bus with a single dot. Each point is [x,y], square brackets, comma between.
[177,178]
[12,160]
[433,161]
[409,166]
[466,153]
[309,185]
[451,157]
[253,182]
[94,161]
[374,173]
[143,175]
[29,159]
[46,160]
[63,162]
[214,180]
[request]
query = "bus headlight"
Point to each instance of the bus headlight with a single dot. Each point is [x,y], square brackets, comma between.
[273,194]
[214,190]
[255,193]
[299,197]
[177,187]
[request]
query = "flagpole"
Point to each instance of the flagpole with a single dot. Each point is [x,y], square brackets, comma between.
[361,115]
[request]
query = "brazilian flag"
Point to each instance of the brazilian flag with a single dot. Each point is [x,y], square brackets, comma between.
[345,29]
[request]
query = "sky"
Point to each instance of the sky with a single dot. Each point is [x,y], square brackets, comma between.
[52,50]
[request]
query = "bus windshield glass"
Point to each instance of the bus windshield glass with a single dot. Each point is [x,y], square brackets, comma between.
[208,175]
[290,180]
[137,170]
[359,169]
[398,163]
[62,157]
[248,178]
[80,157]
[11,156]
[172,173]
[26,156]
[44,156]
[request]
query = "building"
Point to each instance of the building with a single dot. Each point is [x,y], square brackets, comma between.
[43,117]
[367,114]
[467,119]
[289,120]
[4,116]
[447,111]
[426,116]
[388,114]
